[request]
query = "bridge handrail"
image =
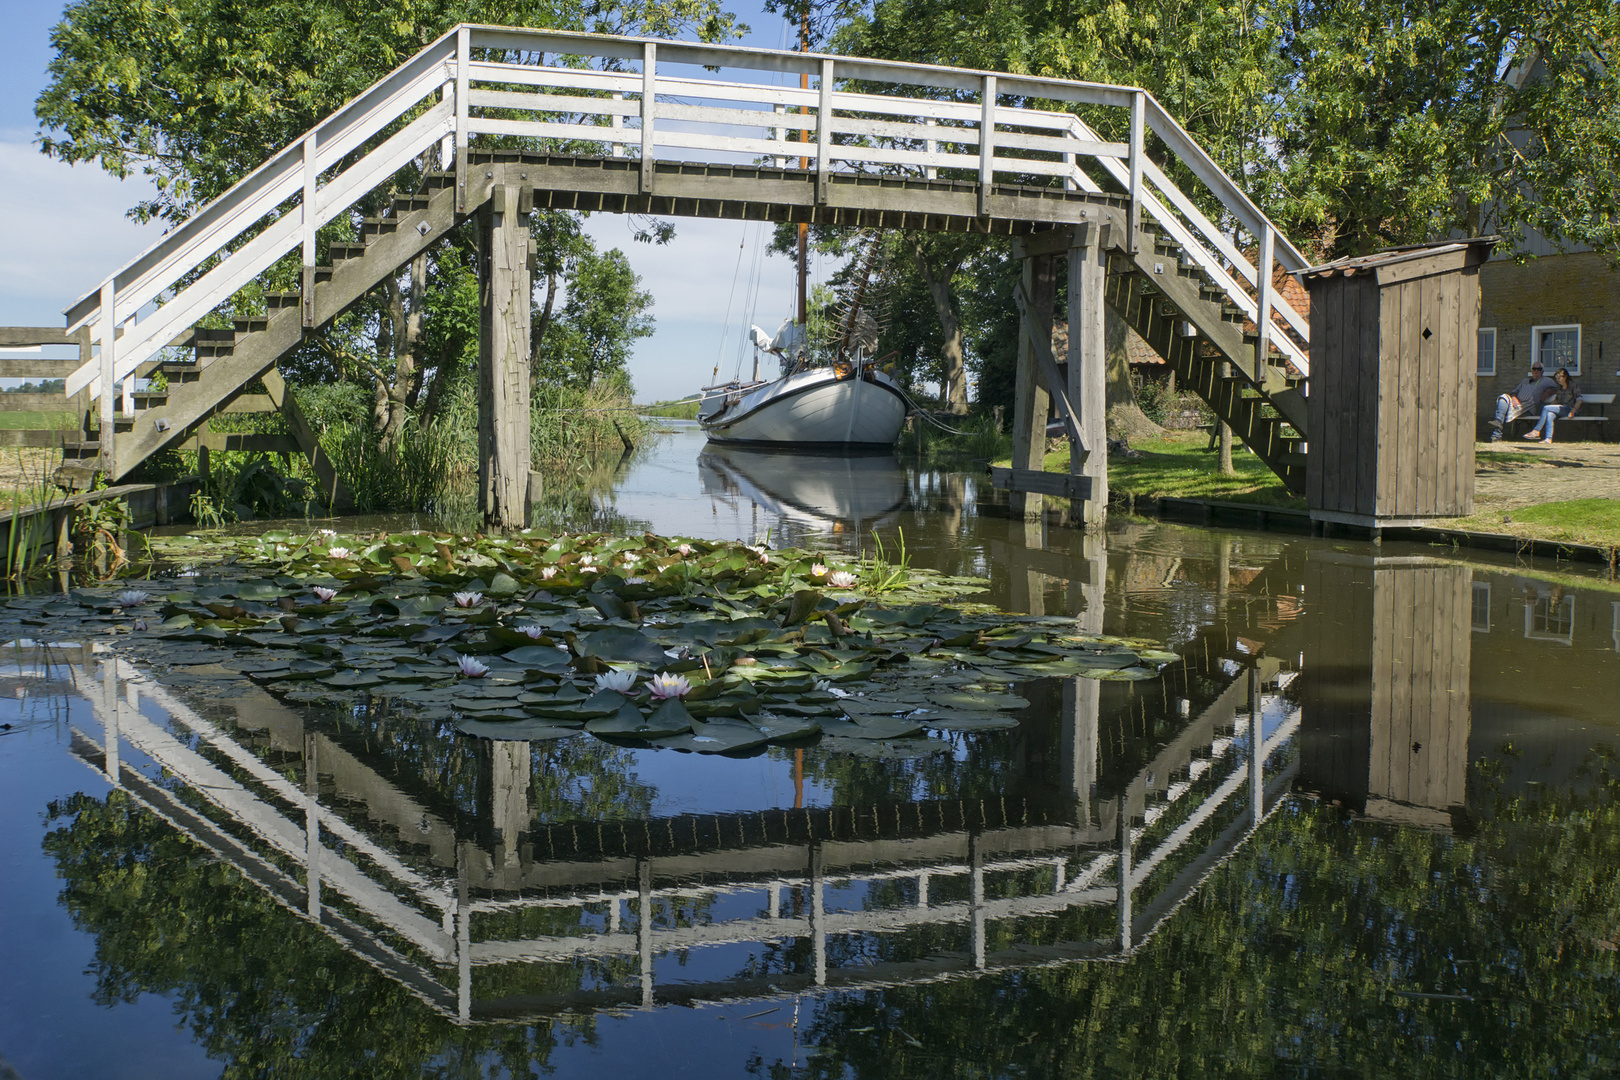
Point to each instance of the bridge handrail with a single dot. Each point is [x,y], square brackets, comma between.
[121,308]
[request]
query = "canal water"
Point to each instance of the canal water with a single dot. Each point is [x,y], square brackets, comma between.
[1365,825]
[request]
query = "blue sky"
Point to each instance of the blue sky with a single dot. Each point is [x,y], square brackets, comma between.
[62,230]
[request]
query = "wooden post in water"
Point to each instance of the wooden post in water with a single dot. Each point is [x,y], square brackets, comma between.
[1031,402]
[503,358]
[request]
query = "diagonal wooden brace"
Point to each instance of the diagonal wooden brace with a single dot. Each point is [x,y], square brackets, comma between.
[1055,384]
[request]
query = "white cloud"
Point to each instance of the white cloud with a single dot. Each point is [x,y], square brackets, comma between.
[64,231]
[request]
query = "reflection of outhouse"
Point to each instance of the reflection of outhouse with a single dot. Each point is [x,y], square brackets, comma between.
[1384,689]
[1391,402]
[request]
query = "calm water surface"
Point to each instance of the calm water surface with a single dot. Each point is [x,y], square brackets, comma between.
[1366,825]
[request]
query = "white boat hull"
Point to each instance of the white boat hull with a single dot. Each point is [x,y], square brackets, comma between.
[811,408]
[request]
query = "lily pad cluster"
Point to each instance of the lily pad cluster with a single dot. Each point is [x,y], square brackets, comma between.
[669,642]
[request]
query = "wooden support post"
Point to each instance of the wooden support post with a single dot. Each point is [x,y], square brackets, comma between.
[649,109]
[987,142]
[503,360]
[307,228]
[463,78]
[1030,400]
[1088,370]
[824,117]
[1138,119]
[109,354]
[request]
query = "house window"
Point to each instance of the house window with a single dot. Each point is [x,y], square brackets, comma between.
[1487,352]
[1556,347]
[1482,607]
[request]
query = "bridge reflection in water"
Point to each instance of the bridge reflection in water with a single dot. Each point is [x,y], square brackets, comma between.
[1111,803]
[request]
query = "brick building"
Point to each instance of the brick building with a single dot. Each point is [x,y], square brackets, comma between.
[1563,309]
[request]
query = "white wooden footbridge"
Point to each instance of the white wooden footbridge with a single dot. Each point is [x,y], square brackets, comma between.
[488,123]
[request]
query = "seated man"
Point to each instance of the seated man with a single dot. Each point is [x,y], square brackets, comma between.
[1526,397]
[1565,401]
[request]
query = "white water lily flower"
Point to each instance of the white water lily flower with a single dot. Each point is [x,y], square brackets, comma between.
[818,570]
[325,532]
[533,630]
[547,573]
[131,598]
[339,552]
[633,580]
[665,686]
[842,579]
[322,593]
[471,667]
[628,560]
[140,624]
[468,599]
[622,681]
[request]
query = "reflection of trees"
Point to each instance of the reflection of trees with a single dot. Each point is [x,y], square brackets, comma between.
[1326,947]
[261,990]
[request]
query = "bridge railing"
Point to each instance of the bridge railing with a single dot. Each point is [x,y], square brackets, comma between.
[657,100]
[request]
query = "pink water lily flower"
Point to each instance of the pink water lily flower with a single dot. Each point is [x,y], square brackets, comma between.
[471,667]
[323,594]
[665,686]
[685,549]
[818,570]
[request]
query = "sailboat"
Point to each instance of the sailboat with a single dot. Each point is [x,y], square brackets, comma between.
[849,404]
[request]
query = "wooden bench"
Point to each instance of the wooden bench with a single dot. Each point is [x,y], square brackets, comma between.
[1593,411]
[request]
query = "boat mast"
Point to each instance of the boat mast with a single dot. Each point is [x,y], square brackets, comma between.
[804,164]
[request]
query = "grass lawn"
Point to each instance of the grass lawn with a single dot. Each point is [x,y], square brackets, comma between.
[1579,521]
[1178,466]
[34,421]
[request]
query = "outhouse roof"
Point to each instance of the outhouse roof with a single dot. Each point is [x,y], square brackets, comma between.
[1409,258]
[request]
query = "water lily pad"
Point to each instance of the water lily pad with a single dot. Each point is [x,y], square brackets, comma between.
[353,680]
[667,720]
[622,646]
[978,700]
[516,730]
[539,658]
[786,728]
[717,737]
[876,727]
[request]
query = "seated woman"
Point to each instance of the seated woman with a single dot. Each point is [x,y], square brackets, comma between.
[1565,401]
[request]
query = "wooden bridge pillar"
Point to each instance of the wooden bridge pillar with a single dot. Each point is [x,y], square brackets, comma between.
[1030,399]
[503,357]
[1088,370]
[1040,382]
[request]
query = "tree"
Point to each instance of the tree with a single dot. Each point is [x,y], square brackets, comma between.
[604,314]
[1406,122]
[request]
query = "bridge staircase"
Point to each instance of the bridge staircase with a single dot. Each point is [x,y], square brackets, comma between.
[1167,296]
[888,144]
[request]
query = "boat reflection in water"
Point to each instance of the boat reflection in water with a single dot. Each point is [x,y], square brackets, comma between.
[794,493]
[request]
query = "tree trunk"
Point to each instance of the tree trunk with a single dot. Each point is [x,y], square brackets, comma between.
[542,323]
[940,289]
[393,404]
[1125,417]
[1226,450]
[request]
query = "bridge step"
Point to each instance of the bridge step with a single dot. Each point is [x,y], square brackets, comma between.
[1260,402]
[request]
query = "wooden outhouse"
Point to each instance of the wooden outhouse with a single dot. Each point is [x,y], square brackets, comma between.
[1391,401]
